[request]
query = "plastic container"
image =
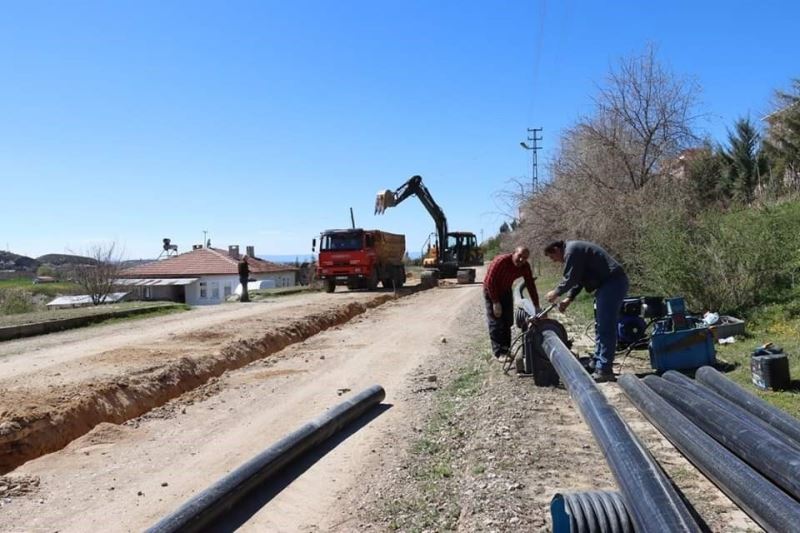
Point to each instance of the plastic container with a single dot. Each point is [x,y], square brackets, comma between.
[727,326]
[681,350]
[769,367]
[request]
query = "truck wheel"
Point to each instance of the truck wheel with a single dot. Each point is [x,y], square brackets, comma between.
[466,276]
[372,281]
[428,279]
[330,285]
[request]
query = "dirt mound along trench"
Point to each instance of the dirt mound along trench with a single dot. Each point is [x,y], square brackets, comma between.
[31,429]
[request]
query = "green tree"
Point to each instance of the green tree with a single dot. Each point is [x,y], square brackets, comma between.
[706,176]
[46,270]
[782,141]
[744,159]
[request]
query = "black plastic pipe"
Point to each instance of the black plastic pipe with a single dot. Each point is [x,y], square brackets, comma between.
[770,414]
[772,457]
[651,501]
[589,512]
[730,407]
[222,496]
[769,506]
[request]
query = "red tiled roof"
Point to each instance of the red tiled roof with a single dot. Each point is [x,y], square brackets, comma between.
[203,261]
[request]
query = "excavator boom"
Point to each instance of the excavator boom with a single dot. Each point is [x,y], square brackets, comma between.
[452,251]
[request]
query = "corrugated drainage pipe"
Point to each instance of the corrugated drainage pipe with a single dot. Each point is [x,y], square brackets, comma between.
[651,500]
[222,496]
[769,506]
[730,407]
[772,457]
[786,423]
[589,512]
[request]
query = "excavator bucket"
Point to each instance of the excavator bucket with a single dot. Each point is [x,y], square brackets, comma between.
[383,201]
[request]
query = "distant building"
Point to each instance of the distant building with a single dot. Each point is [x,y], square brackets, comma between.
[202,276]
[678,168]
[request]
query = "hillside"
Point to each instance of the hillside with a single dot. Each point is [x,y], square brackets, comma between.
[65,259]
[12,261]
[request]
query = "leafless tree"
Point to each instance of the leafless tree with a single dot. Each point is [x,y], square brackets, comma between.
[645,117]
[613,165]
[97,277]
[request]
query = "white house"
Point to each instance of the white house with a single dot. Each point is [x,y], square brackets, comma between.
[202,276]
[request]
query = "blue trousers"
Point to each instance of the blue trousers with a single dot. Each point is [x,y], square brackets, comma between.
[609,301]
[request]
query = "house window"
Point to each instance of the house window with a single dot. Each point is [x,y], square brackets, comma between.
[203,290]
[228,290]
[215,290]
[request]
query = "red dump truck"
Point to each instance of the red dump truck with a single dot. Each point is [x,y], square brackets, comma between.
[360,258]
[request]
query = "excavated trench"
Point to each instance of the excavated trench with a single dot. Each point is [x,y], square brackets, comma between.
[31,428]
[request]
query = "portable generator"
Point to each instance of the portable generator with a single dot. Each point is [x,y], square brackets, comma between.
[678,341]
[631,327]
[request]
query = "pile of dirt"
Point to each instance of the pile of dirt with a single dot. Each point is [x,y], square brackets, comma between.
[34,422]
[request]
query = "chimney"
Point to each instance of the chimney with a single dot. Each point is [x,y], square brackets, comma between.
[196,246]
[233,251]
[251,251]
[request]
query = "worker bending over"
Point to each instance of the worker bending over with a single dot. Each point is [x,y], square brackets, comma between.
[500,276]
[588,266]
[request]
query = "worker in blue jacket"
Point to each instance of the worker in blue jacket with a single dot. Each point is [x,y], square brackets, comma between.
[588,266]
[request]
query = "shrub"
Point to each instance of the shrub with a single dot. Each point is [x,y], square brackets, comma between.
[46,270]
[15,301]
[727,262]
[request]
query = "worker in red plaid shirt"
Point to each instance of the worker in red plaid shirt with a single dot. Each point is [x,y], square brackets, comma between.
[501,274]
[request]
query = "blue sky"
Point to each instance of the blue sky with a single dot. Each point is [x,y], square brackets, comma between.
[264,122]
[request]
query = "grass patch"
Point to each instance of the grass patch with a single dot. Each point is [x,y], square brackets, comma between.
[59,314]
[435,505]
[47,289]
[780,331]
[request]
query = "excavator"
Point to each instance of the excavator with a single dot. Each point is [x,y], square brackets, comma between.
[453,252]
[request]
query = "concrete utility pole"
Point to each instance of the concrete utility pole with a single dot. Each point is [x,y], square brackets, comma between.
[534,148]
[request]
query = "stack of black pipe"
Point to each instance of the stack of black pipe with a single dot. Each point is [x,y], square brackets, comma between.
[748,448]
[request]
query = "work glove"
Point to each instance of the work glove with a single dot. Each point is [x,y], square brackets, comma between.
[497,309]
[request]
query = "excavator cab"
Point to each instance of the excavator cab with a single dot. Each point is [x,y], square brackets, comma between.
[464,248]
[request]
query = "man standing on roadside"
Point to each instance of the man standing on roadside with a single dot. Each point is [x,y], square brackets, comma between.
[587,265]
[501,274]
[244,277]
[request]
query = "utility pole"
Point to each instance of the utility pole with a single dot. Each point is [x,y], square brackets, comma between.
[533,138]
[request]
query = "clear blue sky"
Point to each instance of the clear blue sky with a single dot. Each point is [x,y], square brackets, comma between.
[264,122]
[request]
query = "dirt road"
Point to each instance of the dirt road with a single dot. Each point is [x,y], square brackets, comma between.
[457,446]
[141,470]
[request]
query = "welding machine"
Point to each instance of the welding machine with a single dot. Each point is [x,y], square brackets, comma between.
[679,341]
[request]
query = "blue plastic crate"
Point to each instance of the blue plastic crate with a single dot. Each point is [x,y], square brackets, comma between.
[682,350]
